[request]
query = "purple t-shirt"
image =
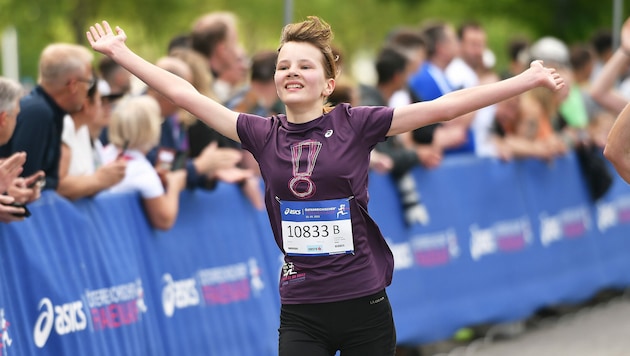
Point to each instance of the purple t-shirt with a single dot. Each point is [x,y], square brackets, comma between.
[330,158]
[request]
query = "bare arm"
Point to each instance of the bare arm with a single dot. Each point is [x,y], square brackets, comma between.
[520,147]
[617,149]
[178,90]
[64,161]
[463,101]
[602,90]
[76,187]
[162,211]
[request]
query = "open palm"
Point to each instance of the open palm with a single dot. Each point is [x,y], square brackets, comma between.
[103,39]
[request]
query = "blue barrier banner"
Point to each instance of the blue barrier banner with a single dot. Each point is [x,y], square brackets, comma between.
[209,278]
[501,240]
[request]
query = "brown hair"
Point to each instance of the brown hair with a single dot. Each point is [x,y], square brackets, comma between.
[210,30]
[316,32]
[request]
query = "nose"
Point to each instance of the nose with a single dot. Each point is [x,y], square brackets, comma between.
[292,73]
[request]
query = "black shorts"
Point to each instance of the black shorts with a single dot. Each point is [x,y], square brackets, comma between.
[357,327]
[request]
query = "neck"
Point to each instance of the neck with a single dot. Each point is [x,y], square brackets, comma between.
[80,120]
[60,97]
[387,91]
[440,62]
[303,115]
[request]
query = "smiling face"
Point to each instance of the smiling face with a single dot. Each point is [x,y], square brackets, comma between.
[300,79]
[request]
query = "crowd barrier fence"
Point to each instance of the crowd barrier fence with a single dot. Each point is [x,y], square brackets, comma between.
[502,240]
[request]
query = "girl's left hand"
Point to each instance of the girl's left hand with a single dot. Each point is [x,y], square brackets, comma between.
[548,77]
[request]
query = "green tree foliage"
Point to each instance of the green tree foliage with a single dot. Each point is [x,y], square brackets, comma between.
[358,24]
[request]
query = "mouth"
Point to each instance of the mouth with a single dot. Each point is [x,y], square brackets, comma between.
[294,86]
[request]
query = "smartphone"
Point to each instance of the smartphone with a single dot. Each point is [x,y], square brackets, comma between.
[168,159]
[40,182]
[179,162]
[165,158]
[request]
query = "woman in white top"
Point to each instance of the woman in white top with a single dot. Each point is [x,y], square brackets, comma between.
[79,177]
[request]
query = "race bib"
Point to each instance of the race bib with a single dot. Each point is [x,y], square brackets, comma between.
[316,228]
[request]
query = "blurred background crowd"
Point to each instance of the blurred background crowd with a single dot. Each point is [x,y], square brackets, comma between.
[86,126]
[89,126]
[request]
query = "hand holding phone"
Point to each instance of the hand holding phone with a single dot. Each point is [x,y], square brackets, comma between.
[26,213]
[170,160]
[9,201]
[38,182]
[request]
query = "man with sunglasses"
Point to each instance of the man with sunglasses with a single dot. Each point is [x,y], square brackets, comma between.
[65,77]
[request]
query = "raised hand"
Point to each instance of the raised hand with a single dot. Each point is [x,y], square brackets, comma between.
[214,158]
[548,77]
[10,169]
[103,39]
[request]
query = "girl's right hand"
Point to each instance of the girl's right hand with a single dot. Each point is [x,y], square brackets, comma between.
[103,39]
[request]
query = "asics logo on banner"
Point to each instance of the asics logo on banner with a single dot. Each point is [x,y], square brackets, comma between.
[289,211]
[178,294]
[570,222]
[66,318]
[4,333]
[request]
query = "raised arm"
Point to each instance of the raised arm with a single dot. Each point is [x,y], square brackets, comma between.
[103,39]
[460,102]
[603,88]
[617,148]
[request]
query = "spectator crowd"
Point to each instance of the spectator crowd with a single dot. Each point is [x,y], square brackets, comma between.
[86,128]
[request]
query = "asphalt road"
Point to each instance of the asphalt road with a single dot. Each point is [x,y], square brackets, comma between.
[596,329]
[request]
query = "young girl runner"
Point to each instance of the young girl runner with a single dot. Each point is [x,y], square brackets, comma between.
[314,161]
